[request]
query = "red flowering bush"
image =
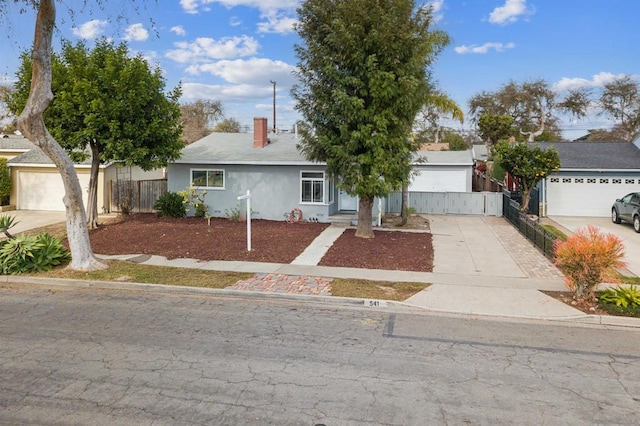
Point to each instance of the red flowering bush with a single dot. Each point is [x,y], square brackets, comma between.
[588,258]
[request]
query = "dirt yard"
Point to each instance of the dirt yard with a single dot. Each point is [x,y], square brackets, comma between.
[272,241]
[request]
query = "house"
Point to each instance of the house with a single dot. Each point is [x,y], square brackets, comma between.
[591,177]
[281,179]
[37,184]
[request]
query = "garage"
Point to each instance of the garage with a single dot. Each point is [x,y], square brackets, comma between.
[587,196]
[43,190]
[439,181]
[591,177]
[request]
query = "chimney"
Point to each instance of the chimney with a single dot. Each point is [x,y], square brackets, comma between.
[260,132]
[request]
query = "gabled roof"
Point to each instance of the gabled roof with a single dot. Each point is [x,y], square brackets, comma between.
[15,143]
[32,155]
[237,148]
[444,158]
[596,155]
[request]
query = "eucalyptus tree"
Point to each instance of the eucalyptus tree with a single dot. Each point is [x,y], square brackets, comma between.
[363,77]
[620,100]
[533,105]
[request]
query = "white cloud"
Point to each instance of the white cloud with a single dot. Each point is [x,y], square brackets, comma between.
[189,6]
[193,6]
[276,23]
[510,12]
[256,71]
[224,92]
[90,30]
[205,48]
[235,21]
[178,30]
[136,32]
[437,6]
[597,80]
[483,49]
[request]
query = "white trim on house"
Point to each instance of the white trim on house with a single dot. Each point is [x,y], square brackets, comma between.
[215,188]
[314,180]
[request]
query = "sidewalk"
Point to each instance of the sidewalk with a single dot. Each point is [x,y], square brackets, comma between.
[503,278]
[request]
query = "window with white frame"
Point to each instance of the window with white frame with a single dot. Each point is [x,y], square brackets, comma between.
[207,178]
[312,187]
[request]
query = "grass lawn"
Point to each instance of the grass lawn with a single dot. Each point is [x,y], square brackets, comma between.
[133,272]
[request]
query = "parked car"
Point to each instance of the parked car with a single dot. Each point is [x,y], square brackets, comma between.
[627,209]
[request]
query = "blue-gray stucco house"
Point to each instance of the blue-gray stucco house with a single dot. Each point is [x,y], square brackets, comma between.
[281,179]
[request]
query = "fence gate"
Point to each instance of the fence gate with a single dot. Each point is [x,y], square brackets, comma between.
[462,203]
[135,196]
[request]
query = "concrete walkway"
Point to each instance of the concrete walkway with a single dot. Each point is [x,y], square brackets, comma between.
[484,266]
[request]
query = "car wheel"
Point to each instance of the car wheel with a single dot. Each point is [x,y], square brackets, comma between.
[636,223]
[614,216]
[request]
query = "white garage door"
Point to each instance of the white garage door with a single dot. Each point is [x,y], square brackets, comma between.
[586,196]
[44,190]
[439,181]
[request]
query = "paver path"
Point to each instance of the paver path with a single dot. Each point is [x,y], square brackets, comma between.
[279,283]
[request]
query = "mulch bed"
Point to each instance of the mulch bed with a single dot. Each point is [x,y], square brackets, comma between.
[190,237]
[393,250]
[271,241]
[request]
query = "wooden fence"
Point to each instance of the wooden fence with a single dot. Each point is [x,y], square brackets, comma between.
[135,196]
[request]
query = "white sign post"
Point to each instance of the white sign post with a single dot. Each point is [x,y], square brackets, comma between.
[248,198]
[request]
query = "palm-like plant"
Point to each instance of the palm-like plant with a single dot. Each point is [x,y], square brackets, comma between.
[7,222]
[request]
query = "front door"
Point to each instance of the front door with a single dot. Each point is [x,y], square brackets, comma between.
[347,202]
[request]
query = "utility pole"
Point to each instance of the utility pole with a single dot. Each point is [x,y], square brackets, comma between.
[274,106]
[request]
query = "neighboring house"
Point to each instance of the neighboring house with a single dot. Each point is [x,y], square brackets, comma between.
[480,153]
[591,177]
[281,179]
[442,171]
[37,184]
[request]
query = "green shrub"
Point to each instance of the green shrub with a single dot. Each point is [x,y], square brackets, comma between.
[191,197]
[170,204]
[32,253]
[588,258]
[7,222]
[626,296]
[201,210]
[5,182]
[233,214]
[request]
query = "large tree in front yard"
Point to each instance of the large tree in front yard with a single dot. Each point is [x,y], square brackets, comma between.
[31,124]
[110,102]
[527,163]
[363,77]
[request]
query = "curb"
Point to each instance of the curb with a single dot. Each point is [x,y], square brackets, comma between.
[586,319]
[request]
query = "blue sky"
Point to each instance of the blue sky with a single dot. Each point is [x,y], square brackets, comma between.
[230,50]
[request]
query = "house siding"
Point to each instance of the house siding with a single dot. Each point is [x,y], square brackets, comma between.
[272,196]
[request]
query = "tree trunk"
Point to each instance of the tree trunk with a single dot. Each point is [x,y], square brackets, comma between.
[92,199]
[526,196]
[365,218]
[31,123]
[404,205]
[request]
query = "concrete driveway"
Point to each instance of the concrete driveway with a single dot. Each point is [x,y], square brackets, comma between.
[30,219]
[624,231]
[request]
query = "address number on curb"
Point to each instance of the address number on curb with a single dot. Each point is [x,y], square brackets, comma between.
[375,303]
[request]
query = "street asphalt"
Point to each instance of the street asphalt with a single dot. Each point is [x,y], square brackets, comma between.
[483,266]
